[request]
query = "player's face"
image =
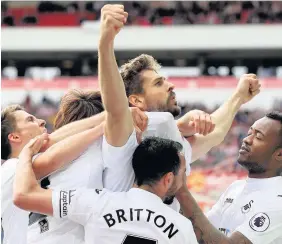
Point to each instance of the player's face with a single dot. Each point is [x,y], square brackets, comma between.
[178,179]
[27,127]
[158,93]
[259,146]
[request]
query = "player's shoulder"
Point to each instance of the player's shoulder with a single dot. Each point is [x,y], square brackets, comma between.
[8,169]
[236,185]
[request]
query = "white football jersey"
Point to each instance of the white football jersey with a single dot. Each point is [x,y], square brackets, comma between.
[118,174]
[136,216]
[252,207]
[84,172]
[13,219]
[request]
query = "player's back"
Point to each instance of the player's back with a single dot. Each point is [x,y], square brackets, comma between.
[13,219]
[136,216]
[84,172]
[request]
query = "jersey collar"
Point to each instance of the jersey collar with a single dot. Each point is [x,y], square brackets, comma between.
[145,195]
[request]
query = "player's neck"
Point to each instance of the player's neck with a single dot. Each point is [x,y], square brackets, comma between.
[267,174]
[153,189]
[16,152]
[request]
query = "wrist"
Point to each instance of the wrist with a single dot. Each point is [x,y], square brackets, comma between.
[105,43]
[26,156]
[237,100]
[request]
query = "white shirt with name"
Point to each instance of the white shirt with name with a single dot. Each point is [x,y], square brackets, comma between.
[136,216]
[252,207]
[102,166]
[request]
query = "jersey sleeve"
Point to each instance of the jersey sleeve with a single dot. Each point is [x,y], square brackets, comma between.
[76,205]
[263,227]
[118,173]
[163,125]
[214,215]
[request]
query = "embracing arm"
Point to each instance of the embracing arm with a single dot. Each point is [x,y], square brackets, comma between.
[27,193]
[65,151]
[73,128]
[204,230]
[29,196]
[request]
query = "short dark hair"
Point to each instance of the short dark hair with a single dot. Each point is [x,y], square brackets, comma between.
[130,72]
[154,158]
[76,105]
[276,115]
[8,125]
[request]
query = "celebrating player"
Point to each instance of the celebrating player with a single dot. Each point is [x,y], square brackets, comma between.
[249,211]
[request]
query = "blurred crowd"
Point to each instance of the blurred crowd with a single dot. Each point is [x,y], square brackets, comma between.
[158,12]
[219,159]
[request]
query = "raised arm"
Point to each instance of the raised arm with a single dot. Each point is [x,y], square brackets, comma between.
[65,151]
[119,124]
[248,87]
[73,128]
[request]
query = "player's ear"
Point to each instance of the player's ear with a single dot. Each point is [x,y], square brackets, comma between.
[168,180]
[137,101]
[14,138]
[278,154]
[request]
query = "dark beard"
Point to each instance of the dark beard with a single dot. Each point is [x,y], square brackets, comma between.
[175,112]
[169,200]
[253,168]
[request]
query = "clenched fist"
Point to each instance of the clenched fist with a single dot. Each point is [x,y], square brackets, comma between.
[113,18]
[195,121]
[248,87]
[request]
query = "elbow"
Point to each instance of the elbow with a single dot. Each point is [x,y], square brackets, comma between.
[19,200]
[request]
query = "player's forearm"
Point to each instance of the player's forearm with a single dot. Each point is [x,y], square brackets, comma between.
[74,128]
[25,181]
[204,230]
[111,83]
[224,116]
[65,151]
[119,123]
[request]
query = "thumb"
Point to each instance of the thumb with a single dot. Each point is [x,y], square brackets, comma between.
[191,123]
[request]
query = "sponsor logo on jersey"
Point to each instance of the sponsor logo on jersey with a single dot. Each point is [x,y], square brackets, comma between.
[44,225]
[229,200]
[259,222]
[226,232]
[246,208]
[98,191]
[279,195]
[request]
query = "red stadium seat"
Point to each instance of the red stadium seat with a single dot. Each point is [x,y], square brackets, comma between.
[58,19]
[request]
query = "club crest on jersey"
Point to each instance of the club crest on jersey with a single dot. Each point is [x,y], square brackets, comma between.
[246,208]
[260,222]
[44,225]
